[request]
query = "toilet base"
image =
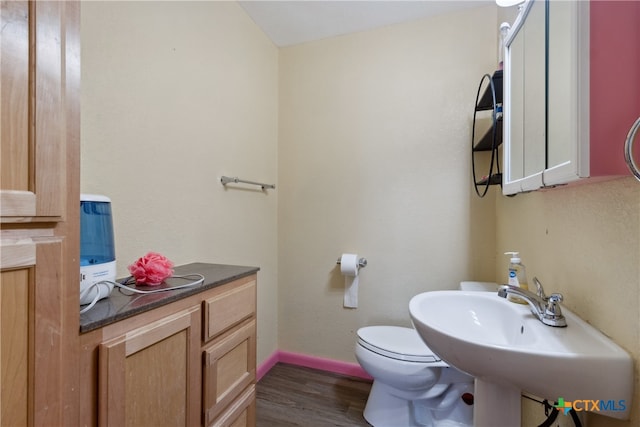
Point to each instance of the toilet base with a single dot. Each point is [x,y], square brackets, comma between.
[385,409]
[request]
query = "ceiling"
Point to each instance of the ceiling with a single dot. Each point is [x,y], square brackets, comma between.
[288,23]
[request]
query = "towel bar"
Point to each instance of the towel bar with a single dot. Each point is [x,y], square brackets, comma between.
[226,180]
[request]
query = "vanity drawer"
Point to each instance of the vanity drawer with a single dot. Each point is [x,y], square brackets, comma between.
[228,308]
[242,413]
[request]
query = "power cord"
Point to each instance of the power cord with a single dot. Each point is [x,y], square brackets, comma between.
[127,282]
[551,412]
[107,286]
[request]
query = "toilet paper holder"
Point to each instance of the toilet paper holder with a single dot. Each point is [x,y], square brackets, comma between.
[362,262]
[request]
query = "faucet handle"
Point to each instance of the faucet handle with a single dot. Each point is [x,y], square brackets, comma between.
[540,289]
[553,313]
[555,298]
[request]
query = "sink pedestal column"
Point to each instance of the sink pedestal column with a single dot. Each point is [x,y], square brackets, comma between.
[495,405]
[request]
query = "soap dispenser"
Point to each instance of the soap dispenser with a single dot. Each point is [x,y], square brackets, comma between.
[517,276]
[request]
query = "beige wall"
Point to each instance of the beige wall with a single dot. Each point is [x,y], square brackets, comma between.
[584,242]
[174,95]
[374,159]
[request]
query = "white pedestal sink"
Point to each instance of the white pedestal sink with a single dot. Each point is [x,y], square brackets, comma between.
[508,350]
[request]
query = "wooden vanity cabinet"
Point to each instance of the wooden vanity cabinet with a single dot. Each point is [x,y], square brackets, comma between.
[188,363]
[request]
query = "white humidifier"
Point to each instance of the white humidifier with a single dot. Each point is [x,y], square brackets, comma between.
[97,249]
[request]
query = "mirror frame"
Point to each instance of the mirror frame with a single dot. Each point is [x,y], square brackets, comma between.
[530,182]
[577,166]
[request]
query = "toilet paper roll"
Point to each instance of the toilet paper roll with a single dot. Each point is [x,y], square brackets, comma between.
[349,268]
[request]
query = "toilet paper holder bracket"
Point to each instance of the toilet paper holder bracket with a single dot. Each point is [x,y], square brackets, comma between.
[362,262]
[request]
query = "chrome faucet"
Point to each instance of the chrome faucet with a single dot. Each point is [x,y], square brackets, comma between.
[545,308]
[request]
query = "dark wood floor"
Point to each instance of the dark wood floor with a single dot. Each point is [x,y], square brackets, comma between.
[291,395]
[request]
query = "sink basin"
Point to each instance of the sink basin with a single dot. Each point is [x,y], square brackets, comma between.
[504,344]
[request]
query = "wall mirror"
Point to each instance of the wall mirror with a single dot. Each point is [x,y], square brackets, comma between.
[568,97]
[543,112]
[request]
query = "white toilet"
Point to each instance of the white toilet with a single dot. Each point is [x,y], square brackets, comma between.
[412,386]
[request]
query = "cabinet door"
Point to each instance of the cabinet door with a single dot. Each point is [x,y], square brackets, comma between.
[31,343]
[148,376]
[229,367]
[32,100]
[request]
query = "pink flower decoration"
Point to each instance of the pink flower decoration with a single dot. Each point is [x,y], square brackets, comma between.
[151,269]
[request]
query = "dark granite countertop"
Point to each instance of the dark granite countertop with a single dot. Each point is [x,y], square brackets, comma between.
[120,305]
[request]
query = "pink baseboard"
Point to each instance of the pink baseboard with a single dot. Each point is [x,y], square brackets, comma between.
[321,363]
[266,366]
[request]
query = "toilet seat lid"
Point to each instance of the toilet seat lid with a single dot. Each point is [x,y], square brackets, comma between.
[397,343]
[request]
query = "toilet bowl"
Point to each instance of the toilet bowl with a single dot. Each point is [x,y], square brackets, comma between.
[412,386]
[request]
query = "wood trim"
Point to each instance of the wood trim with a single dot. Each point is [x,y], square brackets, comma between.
[89,345]
[70,226]
[49,115]
[17,253]
[157,331]
[111,368]
[15,203]
[48,330]
[10,234]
